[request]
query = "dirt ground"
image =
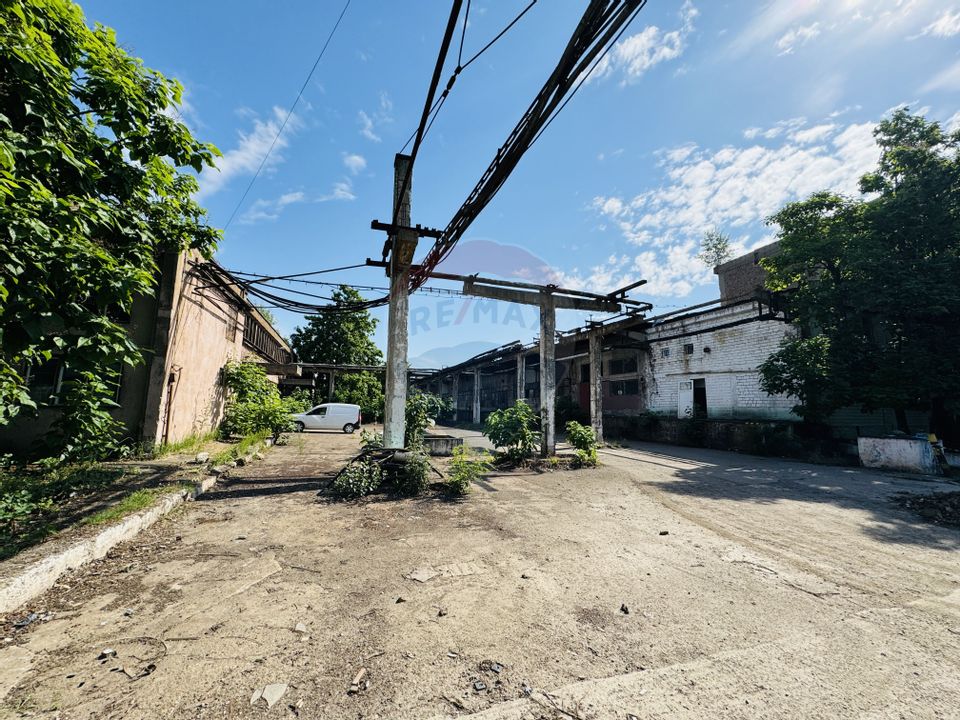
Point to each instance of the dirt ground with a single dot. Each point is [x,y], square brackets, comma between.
[669,583]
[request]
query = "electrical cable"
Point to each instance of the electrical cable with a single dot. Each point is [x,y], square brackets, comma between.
[602,22]
[287,118]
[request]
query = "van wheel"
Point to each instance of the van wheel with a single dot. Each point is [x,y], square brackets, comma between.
[349,428]
[298,426]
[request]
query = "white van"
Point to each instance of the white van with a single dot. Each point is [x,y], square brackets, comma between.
[329,416]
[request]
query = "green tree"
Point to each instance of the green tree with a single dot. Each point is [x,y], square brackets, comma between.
[91,193]
[871,284]
[341,338]
[714,248]
[364,389]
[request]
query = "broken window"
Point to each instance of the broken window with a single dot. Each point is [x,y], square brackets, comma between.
[624,387]
[688,349]
[623,366]
[665,352]
[585,373]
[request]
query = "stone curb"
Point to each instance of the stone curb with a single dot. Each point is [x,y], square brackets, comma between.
[43,574]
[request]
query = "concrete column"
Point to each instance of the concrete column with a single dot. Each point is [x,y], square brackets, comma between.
[401,255]
[521,376]
[330,385]
[476,396]
[548,373]
[596,383]
[455,385]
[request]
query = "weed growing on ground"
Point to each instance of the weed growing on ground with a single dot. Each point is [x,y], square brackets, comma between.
[358,480]
[466,469]
[584,442]
[371,440]
[135,501]
[514,429]
[408,477]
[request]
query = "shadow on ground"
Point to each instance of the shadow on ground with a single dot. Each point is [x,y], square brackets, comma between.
[720,475]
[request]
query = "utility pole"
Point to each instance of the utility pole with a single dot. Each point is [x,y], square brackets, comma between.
[596,380]
[548,373]
[403,245]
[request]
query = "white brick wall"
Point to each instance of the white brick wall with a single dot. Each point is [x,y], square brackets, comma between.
[726,359]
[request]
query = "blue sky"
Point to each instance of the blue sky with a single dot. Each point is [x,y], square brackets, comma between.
[706,114]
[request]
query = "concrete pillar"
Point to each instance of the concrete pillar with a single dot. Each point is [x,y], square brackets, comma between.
[455,385]
[476,396]
[330,385]
[596,383]
[401,255]
[521,376]
[548,373]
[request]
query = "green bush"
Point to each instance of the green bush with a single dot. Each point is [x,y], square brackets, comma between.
[300,400]
[514,429]
[421,408]
[466,470]
[370,440]
[584,442]
[408,477]
[358,480]
[254,404]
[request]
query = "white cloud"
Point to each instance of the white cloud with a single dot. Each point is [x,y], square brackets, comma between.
[354,163]
[366,127]
[732,188]
[269,210]
[853,22]
[796,37]
[369,122]
[252,147]
[636,54]
[342,190]
[813,134]
[947,25]
[946,79]
[953,123]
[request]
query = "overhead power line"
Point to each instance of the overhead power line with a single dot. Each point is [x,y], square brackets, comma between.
[602,23]
[287,118]
[461,66]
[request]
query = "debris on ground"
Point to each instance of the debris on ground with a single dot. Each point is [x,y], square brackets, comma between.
[360,682]
[300,628]
[400,600]
[479,686]
[201,458]
[664,532]
[269,694]
[106,653]
[624,609]
[28,620]
[942,508]
[422,575]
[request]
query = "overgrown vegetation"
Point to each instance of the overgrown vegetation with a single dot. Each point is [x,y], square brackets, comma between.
[871,285]
[358,480]
[371,440]
[254,405]
[364,389]
[584,442]
[466,469]
[30,499]
[239,449]
[92,192]
[514,429]
[134,502]
[421,409]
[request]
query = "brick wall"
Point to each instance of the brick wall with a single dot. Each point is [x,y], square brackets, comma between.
[725,358]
